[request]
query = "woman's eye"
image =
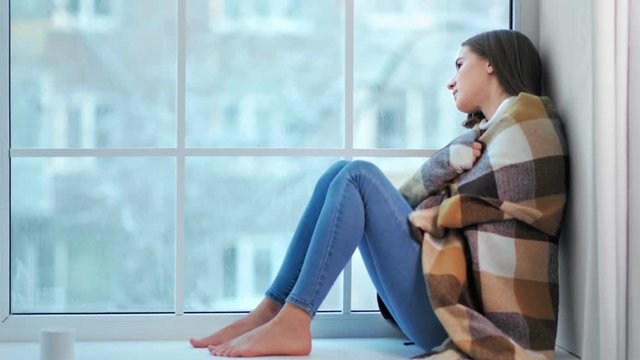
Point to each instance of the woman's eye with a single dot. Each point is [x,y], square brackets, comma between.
[458,65]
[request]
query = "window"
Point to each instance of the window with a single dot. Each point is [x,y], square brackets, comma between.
[260,17]
[391,121]
[144,142]
[79,120]
[84,15]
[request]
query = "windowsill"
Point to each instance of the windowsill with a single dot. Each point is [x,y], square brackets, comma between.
[370,349]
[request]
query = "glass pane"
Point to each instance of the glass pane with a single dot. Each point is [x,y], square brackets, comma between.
[240,216]
[265,73]
[88,74]
[363,296]
[404,57]
[102,7]
[92,235]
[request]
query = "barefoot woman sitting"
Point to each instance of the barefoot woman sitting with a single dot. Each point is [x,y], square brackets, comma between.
[464,253]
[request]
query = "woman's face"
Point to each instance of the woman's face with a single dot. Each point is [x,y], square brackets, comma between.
[470,83]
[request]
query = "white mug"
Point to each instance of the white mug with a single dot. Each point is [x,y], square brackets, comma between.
[57,344]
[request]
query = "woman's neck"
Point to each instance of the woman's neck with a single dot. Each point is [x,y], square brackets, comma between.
[495,98]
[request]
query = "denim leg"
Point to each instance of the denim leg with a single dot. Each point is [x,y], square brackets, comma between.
[394,265]
[297,250]
[337,233]
[360,208]
[393,259]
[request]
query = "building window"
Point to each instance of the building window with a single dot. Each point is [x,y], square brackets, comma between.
[230,271]
[80,120]
[391,121]
[85,15]
[255,16]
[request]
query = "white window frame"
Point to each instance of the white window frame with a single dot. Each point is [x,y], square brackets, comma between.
[178,325]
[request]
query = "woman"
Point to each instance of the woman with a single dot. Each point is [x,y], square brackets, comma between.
[497,80]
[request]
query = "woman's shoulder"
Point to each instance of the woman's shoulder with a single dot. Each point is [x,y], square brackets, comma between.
[532,115]
[526,107]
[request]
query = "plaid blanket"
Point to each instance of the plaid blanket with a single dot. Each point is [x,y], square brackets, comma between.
[489,234]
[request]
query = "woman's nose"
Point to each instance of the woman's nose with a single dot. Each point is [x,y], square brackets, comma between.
[452,83]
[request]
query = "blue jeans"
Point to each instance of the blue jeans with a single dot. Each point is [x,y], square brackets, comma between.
[355,206]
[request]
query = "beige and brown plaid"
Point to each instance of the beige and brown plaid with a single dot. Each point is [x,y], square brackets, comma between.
[490,236]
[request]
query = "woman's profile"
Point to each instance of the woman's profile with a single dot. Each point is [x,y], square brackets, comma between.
[464,253]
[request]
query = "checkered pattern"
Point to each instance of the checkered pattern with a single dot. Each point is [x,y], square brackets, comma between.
[489,236]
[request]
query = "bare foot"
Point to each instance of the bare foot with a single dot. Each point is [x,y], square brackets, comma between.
[265,311]
[287,334]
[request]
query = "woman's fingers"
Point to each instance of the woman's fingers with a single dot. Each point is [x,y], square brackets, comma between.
[477,149]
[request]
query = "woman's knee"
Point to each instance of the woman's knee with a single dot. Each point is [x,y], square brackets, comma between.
[334,169]
[330,174]
[362,166]
[350,168]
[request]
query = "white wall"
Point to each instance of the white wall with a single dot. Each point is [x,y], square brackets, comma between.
[565,45]
[634,180]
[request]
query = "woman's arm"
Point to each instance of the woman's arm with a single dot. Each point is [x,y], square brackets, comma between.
[444,166]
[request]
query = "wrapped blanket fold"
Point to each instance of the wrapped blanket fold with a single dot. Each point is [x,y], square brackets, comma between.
[489,235]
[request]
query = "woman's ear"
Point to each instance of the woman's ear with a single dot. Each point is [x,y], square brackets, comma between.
[490,69]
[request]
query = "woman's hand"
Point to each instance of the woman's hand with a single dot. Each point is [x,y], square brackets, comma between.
[425,221]
[463,157]
[477,150]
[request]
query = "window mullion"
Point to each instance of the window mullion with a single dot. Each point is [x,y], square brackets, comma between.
[180,158]
[5,232]
[348,78]
[217,152]
[348,127]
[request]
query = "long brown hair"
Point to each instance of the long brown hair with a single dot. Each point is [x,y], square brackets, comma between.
[513,57]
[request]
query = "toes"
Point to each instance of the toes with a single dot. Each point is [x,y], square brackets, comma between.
[212,349]
[225,350]
[233,353]
[218,350]
[243,352]
[201,343]
[196,343]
